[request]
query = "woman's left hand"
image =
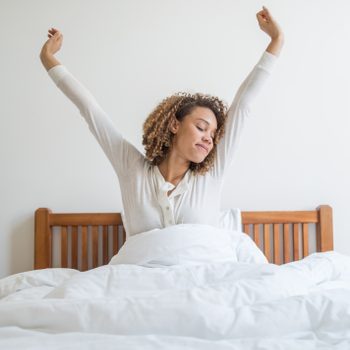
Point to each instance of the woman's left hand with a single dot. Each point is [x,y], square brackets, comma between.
[268,24]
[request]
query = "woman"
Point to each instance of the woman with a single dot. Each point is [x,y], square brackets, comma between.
[180,178]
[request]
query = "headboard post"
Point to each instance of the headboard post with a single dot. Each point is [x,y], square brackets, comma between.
[43,239]
[324,236]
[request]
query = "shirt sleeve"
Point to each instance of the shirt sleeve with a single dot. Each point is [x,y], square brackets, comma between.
[240,110]
[119,151]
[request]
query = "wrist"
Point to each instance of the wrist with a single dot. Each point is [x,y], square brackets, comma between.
[45,53]
[48,60]
[278,38]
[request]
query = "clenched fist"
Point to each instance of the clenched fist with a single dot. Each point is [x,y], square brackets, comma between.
[54,43]
[51,46]
[268,24]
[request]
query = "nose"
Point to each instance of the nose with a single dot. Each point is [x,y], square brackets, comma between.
[208,139]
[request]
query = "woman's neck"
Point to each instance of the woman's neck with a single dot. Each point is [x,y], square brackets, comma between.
[173,170]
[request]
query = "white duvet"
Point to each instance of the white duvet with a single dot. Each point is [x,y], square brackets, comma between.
[182,287]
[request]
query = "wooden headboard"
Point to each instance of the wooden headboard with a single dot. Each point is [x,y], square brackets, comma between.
[89,240]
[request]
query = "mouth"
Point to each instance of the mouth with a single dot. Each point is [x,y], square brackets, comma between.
[202,148]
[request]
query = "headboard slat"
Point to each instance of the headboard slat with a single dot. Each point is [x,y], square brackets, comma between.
[94,246]
[256,236]
[105,245]
[74,245]
[276,244]
[296,254]
[267,248]
[115,239]
[286,243]
[305,240]
[84,248]
[246,228]
[64,247]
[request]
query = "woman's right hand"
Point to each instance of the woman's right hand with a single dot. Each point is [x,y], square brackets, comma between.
[52,45]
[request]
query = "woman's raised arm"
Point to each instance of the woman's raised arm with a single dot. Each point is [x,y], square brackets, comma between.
[240,108]
[119,151]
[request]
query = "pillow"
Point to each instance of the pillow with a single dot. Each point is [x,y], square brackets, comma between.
[246,249]
[231,219]
[178,245]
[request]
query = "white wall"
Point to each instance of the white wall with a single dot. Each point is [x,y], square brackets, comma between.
[294,153]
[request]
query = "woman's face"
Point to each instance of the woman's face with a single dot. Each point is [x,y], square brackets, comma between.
[194,135]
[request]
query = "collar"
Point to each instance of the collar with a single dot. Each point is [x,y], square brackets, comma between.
[165,186]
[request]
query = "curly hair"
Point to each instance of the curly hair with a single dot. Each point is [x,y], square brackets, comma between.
[157,137]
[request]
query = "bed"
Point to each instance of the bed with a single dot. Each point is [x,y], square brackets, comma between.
[258,287]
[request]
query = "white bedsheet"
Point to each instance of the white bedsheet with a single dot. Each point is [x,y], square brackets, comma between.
[222,304]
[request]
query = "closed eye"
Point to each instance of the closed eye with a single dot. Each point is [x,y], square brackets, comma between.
[212,136]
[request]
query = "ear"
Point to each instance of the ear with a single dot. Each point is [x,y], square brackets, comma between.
[174,125]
